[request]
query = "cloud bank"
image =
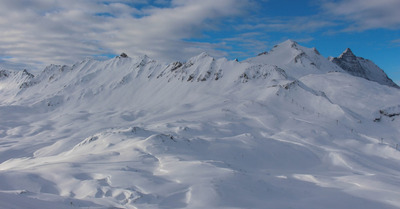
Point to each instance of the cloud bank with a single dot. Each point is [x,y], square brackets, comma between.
[42,31]
[365,14]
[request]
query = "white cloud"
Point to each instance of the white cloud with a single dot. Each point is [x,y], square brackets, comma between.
[365,14]
[291,24]
[41,32]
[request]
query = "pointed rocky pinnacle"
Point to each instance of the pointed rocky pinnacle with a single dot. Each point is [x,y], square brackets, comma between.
[347,53]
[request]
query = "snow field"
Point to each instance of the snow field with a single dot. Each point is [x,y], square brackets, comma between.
[110,134]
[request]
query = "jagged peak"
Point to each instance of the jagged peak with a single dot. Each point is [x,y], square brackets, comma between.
[51,68]
[347,53]
[364,68]
[124,58]
[122,55]
[348,50]
[25,72]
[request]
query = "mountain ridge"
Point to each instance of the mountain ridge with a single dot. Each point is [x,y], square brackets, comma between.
[294,56]
[131,132]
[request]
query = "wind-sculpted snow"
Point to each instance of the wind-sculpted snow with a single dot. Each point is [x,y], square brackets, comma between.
[287,129]
[270,72]
[200,68]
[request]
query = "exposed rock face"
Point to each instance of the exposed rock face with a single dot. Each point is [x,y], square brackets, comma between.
[348,61]
[363,68]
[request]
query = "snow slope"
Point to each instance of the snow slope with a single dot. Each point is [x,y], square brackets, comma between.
[130,132]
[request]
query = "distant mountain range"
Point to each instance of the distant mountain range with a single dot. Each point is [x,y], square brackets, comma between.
[288,128]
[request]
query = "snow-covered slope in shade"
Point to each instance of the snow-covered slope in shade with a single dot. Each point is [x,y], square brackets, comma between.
[363,68]
[11,82]
[130,132]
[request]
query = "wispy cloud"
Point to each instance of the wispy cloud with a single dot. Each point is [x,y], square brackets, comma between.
[365,14]
[396,42]
[246,44]
[334,16]
[42,32]
[300,24]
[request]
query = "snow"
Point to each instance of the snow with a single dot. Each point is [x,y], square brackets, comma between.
[296,60]
[131,132]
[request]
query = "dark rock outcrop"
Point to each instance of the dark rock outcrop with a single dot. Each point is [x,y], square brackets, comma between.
[363,68]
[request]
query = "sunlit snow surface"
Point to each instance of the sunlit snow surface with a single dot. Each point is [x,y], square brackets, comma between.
[208,133]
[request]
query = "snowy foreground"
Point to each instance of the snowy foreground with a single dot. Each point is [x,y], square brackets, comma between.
[286,129]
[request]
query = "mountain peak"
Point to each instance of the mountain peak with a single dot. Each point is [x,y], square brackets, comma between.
[134,132]
[289,43]
[361,67]
[122,55]
[203,54]
[348,54]
[295,59]
[199,57]
[348,50]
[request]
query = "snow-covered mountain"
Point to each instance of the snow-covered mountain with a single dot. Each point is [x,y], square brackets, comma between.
[363,68]
[285,129]
[296,60]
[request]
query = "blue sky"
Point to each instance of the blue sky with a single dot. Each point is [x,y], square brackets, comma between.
[37,33]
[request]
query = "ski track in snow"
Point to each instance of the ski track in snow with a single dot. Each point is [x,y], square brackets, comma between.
[208,133]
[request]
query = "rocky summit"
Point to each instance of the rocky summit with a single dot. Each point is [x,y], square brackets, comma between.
[361,67]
